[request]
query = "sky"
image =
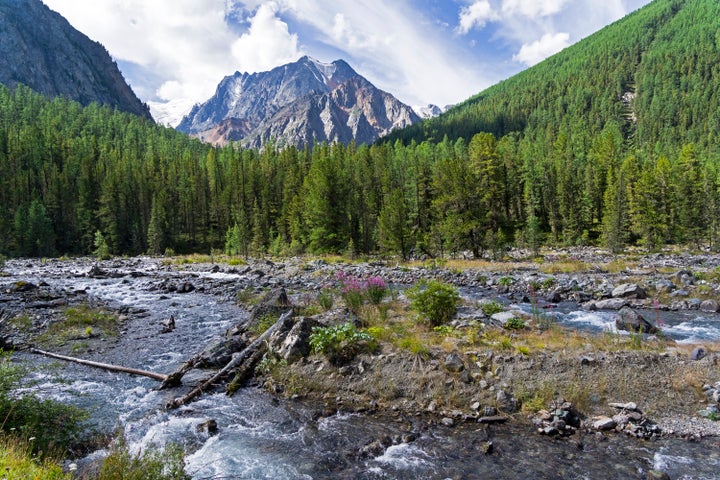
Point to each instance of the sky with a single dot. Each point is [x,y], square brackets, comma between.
[175,52]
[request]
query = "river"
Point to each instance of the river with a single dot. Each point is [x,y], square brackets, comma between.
[262,437]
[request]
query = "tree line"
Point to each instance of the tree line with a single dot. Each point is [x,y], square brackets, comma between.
[71,177]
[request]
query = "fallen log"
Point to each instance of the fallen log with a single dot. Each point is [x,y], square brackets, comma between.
[247,353]
[175,378]
[104,366]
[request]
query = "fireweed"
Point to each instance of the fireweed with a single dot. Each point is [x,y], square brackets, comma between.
[355,291]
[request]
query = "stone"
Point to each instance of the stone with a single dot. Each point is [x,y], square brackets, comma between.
[296,343]
[611,304]
[489,411]
[698,353]
[475,406]
[664,286]
[210,426]
[630,406]
[501,318]
[554,297]
[603,423]
[710,306]
[629,290]
[465,377]
[657,475]
[454,363]
[486,448]
[448,422]
[631,321]
[186,287]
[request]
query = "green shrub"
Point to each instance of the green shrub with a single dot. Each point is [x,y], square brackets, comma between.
[506,281]
[340,343]
[263,323]
[151,464]
[52,425]
[325,299]
[491,308]
[436,301]
[515,324]
[327,339]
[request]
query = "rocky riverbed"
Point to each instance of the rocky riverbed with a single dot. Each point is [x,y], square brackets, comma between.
[474,373]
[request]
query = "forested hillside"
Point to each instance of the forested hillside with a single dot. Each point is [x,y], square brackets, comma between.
[611,142]
[72,178]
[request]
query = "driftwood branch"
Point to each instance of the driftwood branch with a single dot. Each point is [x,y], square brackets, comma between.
[104,366]
[234,363]
[175,378]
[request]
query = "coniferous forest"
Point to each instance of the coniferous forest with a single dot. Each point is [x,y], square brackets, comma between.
[611,142]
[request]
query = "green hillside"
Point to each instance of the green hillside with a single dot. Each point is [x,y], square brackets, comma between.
[665,55]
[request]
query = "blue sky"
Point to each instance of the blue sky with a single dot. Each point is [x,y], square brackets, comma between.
[175,52]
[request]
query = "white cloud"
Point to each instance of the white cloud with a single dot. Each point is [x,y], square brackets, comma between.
[267,44]
[476,15]
[533,8]
[394,46]
[549,44]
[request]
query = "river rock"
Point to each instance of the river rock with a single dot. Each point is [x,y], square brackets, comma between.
[454,363]
[220,350]
[501,318]
[698,353]
[610,304]
[275,302]
[685,277]
[629,320]
[710,306]
[629,290]
[657,475]
[664,286]
[295,344]
[603,423]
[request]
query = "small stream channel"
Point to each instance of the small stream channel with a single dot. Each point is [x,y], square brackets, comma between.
[261,437]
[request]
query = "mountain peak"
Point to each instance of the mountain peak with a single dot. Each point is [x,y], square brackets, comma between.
[297,103]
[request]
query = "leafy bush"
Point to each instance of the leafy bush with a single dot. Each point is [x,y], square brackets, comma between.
[436,301]
[491,308]
[52,425]
[506,281]
[151,464]
[340,343]
[325,299]
[514,324]
[328,339]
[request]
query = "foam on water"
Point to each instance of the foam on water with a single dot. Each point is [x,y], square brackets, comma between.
[222,454]
[694,332]
[404,456]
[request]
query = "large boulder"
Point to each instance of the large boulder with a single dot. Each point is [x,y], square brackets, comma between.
[220,351]
[273,303]
[610,304]
[629,290]
[293,344]
[629,320]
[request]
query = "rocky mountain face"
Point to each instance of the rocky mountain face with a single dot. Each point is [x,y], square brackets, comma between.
[297,104]
[40,49]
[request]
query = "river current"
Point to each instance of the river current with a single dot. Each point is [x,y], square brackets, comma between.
[261,437]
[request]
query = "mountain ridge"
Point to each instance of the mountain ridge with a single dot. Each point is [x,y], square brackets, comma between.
[40,49]
[297,104]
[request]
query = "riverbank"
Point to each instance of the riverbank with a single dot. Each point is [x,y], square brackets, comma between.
[470,371]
